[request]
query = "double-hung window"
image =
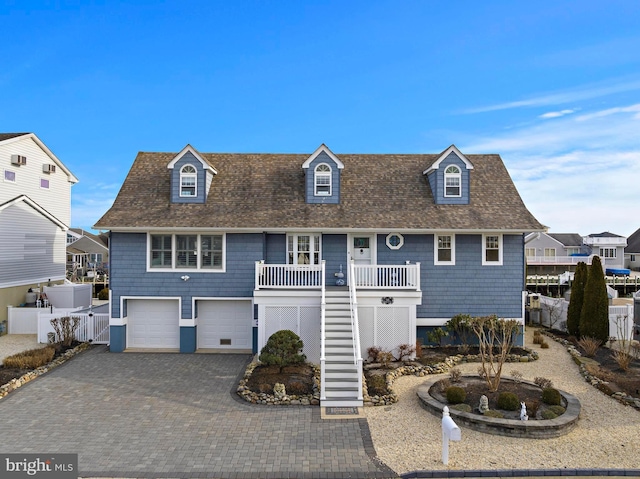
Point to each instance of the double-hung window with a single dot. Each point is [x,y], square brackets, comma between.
[322,180]
[607,253]
[491,249]
[303,249]
[445,249]
[530,252]
[188,181]
[203,252]
[550,252]
[452,181]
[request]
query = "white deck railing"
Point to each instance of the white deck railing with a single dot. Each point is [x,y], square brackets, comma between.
[355,328]
[288,275]
[323,357]
[550,260]
[386,276]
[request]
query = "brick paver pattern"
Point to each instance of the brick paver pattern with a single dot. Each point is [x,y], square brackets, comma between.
[175,415]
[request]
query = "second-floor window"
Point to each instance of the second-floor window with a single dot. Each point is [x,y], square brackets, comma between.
[186,252]
[529,251]
[492,249]
[322,180]
[607,253]
[188,181]
[452,181]
[445,249]
[303,249]
[550,252]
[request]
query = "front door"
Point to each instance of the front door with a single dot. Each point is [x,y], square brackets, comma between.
[362,252]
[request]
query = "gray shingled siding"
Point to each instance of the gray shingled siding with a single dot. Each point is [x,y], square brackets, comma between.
[175,180]
[276,249]
[130,278]
[335,181]
[334,252]
[451,159]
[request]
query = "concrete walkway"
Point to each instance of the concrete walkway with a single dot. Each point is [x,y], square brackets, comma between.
[174,415]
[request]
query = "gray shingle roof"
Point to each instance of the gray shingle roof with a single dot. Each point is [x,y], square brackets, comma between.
[633,242]
[266,192]
[8,136]
[567,239]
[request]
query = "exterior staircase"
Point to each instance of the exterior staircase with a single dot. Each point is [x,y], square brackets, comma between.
[342,377]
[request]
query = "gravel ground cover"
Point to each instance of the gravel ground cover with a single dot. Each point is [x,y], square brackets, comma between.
[408,438]
[11,344]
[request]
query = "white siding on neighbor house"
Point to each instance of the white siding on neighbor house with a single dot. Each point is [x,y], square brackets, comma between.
[56,200]
[32,247]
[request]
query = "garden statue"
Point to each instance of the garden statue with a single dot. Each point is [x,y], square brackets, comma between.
[484,404]
[279,390]
[523,412]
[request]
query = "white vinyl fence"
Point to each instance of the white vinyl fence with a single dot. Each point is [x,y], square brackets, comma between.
[92,327]
[553,314]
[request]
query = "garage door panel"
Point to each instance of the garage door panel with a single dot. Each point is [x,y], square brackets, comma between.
[153,324]
[225,324]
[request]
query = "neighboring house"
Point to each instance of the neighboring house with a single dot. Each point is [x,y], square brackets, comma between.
[632,252]
[86,253]
[35,211]
[219,251]
[610,247]
[555,253]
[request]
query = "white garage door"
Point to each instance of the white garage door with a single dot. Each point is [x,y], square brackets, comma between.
[225,324]
[153,323]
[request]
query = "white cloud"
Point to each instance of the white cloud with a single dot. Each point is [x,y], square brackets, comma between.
[576,174]
[556,114]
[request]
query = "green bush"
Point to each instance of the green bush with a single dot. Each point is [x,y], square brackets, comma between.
[283,348]
[551,396]
[557,410]
[461,407]
[494,413]
[456,395]
[376,385]
[508,401]
[31,359]
[548,414]
[103,294]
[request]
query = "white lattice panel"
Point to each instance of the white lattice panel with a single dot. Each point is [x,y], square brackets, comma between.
[310,332]
[401,331]
[366,319]
[385,326]
[280,317]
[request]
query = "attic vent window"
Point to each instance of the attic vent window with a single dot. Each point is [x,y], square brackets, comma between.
[322,180]
[452,180]
[188,181]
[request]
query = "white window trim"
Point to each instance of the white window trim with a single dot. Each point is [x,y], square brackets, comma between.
[453,249]
[549,250]
[48,183]
[189,175]
[399,245]
[484,250]
[457,175]
[323,174]
[605,249]
[197,269]
[530,250]
[311,247]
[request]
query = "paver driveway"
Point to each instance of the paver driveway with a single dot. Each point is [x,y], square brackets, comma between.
[174,415]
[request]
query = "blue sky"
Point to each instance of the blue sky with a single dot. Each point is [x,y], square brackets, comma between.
[552,86]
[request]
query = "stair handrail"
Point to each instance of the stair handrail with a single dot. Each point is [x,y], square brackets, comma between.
[355,327]
[323,395]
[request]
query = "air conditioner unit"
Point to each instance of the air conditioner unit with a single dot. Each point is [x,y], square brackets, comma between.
[18,160]
[49,168]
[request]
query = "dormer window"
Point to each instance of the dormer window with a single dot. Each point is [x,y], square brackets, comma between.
[322,180]
[188,181]
[452,181]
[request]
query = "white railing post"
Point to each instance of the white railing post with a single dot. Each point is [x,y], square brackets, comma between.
[257,274]
[355,327]
[323,382]
[450,432]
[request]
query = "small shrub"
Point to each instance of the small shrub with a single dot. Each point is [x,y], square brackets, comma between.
[418,348]
[462,407]
[376,385]
[508,401]
[623,359]
[372,353]
[443,385]
[537,339]
[297,388]
[536,332]
[548,414]
[265,388]
[65,329]
[551,396]
[283,348]
[31,359]
[437,335]
[103,294]
[589,345]
[454,375]
[493,413]
[404,351]
[456,395]
[542,383]
[516,375]
[544,345]
[557,410]
[385,358]
[464,348]
[532,407]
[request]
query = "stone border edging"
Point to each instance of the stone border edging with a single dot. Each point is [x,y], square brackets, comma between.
[621,397]
[522,473]
[534,429]
[31,375]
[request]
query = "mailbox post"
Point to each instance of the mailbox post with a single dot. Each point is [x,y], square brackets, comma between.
[450,432]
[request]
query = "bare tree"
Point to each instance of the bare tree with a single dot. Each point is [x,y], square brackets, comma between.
[553,307]
[495,338]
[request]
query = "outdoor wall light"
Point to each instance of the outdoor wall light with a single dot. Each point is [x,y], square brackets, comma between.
[184,278]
